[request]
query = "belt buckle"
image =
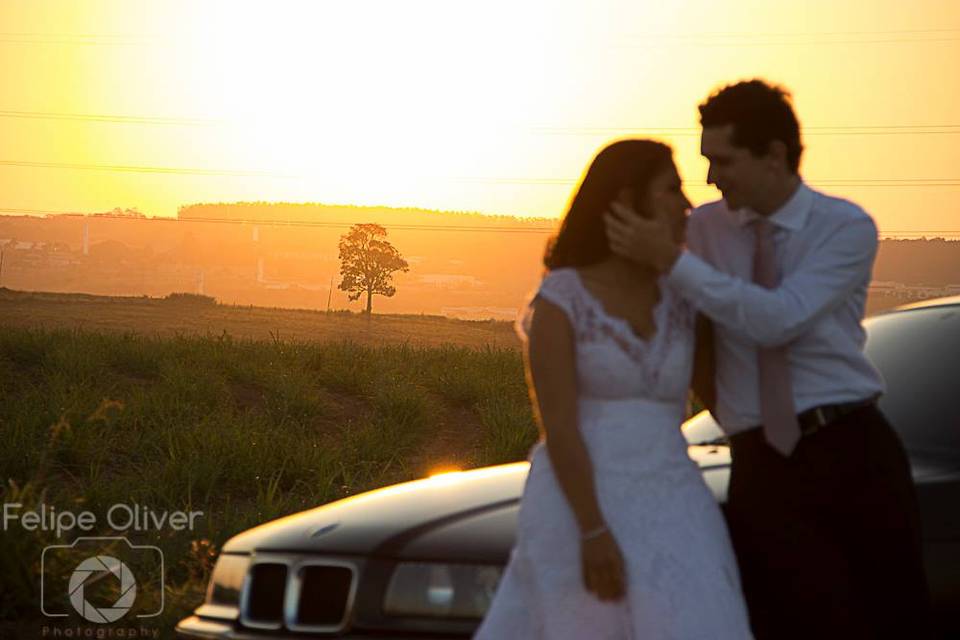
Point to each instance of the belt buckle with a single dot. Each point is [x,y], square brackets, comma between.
[819,423]
[821,418]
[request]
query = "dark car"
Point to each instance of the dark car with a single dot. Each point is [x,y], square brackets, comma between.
[422,559]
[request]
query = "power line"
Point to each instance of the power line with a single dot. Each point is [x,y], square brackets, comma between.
[905,35]
[846,182]
[70,42]
[392,227]
[808,130]
[142,169]
[890,181]
[795,38]
[78,38]
[94,117]
[287,223]
[838,130]
[741,34]
[795,43]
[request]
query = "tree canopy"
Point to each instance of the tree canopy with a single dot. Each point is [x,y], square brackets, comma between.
[368,262]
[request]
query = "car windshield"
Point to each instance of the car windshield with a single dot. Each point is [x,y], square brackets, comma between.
[918,353]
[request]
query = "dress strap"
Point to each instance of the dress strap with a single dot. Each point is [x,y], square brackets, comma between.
[559,287]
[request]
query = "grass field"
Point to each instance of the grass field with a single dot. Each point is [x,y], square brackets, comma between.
[243,428]
[188,315]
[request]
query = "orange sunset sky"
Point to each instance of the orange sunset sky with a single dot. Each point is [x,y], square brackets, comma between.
[493,106]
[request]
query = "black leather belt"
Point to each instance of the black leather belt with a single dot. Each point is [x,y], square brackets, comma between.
[812,420]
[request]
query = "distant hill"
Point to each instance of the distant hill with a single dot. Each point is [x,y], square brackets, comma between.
[934,262]
[462,264]
[312,212]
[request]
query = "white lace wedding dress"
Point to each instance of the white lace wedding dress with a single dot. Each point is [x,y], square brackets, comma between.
[682,577]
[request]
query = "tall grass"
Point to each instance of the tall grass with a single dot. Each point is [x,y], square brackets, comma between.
[242,430]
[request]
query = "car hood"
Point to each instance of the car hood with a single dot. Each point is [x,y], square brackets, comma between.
[384,521]
[469,515]
[473,510]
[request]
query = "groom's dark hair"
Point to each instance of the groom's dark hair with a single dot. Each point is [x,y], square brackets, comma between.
[760,113]
[582,238]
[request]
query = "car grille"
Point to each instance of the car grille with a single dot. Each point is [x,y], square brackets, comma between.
[324,592]
[300,595]
[268,583]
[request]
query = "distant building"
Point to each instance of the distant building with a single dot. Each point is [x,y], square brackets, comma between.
[449,281]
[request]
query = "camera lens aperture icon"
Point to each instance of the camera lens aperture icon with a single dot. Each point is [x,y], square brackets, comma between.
[92,576]
[93,568]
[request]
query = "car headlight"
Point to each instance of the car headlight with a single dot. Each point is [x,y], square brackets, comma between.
[226,581]
[446,590]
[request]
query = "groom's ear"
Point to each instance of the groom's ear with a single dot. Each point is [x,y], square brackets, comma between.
[777,155]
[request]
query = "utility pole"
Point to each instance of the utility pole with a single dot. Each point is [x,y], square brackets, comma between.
[329,293]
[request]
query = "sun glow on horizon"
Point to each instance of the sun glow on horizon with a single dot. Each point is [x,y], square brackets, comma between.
[346,107]
[493,107]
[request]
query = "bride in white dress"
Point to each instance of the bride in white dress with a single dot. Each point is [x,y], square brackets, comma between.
[618,536]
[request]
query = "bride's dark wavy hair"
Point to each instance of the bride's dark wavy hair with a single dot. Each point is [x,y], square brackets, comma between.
[582,239]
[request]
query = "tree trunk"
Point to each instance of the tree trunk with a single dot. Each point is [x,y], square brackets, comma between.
[369,302]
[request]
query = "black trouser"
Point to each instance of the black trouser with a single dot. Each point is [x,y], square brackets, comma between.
[828,540]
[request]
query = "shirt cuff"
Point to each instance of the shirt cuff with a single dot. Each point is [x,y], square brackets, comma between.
[690,274]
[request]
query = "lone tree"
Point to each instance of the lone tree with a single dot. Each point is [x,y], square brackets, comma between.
[367,263]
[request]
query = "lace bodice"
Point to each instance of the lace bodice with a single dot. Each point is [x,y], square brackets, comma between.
[612,361]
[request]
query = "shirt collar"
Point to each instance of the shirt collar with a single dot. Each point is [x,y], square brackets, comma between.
[792,215]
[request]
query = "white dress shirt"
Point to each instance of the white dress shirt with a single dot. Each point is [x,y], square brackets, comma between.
[825,250]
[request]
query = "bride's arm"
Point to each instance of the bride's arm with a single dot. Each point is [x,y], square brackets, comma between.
[552,381]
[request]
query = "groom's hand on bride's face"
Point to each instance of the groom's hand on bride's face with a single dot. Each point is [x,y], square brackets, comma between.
[647,242]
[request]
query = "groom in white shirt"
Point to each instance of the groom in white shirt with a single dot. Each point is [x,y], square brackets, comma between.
[821,507]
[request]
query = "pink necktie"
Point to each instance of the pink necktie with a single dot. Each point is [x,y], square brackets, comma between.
[777,411]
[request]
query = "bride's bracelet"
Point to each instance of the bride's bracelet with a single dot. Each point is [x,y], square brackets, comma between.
[593,533]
